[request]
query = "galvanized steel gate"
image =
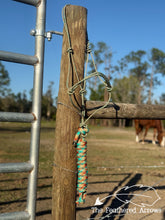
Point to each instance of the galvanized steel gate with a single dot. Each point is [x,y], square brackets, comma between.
[37,61]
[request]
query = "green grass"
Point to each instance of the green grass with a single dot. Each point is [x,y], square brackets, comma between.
[113,147]
[107,147]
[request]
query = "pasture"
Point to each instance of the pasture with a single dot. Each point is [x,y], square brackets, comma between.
[114,161]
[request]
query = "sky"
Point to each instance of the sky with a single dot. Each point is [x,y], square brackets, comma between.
[124,25]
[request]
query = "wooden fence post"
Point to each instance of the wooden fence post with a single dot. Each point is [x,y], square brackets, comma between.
[67,122]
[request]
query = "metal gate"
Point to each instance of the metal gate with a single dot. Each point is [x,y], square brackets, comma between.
[35,117]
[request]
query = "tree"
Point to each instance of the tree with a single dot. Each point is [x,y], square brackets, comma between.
[98,51]
[15,103]
[125,90]
[4,80]
[109,69]
[97,95]
[8,103]
[157,60]
[48,108]
[162,99]
[101,55]
[121,67]
[139,70]
[23,104]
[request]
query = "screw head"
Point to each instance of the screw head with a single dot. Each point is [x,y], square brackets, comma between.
[32,32]
[49,36]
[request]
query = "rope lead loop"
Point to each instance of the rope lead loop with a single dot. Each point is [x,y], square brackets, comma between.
[81,145]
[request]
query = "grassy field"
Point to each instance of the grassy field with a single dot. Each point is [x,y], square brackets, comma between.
[114,161]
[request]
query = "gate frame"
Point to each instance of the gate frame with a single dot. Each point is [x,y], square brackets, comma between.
[35,117]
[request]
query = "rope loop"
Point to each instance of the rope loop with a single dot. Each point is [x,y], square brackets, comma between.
[71,91]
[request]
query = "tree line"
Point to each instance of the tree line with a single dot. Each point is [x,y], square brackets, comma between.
[134,78]
[21,102]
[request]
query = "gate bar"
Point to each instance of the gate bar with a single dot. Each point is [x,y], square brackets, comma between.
[16,117]
[15,215]
[15,167]
[29,2]
[18,58]
[36,109]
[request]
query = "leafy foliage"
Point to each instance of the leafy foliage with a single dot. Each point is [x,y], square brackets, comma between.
[97,95]
[20,103]
[126,89]
[4,80]
[158,60]
[136,76]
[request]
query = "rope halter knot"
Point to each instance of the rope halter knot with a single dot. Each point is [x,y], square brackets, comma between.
[70,50]
[83,91]
[108,88]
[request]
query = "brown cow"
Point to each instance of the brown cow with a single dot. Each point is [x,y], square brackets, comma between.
[156,124]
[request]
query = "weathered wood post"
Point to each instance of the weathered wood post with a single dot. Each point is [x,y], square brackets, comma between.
[67,122]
